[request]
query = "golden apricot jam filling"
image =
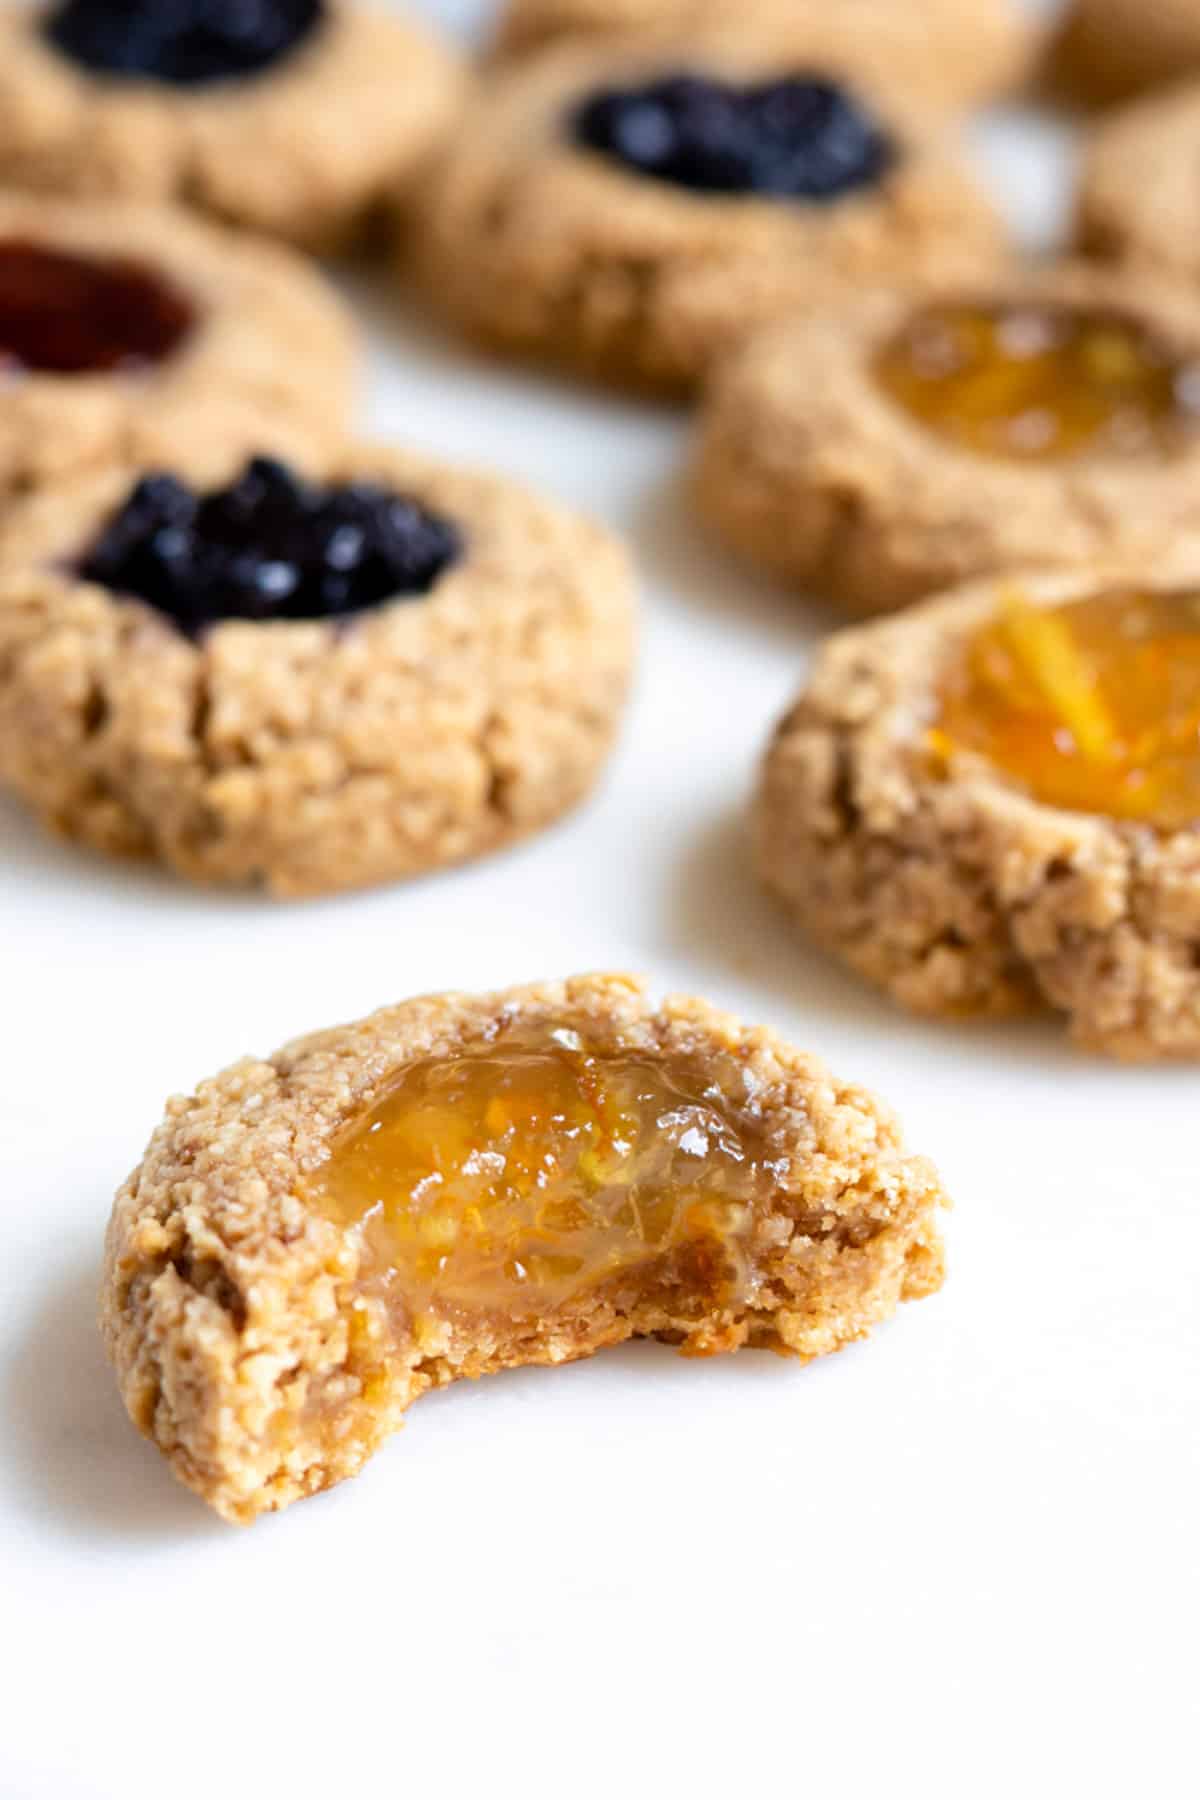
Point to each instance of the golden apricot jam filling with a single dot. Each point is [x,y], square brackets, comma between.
[1041,382]
[1093,705]
[518,1177]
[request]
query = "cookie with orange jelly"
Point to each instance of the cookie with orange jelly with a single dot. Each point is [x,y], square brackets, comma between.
[951,52]
[462,1184]
[911,440]
[992,804]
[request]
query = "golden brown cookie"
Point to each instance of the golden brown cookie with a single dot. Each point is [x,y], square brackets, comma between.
[536,241]
[992,803]
[326,683]
[304,146]
[1107,50]
[126,330]
[907,440]
[1140,191]
[954,52]
[313,1241]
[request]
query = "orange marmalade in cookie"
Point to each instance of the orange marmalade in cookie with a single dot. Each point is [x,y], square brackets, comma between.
[518,1177]
[1093,705]
[1040,382]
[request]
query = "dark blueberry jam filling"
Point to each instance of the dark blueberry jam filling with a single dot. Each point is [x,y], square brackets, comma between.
[269,546]
[64,314]
[185,42]
[802,138]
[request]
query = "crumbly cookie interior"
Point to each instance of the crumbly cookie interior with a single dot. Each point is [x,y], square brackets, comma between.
[1092,705]
[534,1178]
[1041,382]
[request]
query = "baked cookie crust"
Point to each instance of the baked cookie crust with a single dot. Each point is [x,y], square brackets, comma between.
[306,151]
[538,247]
[314,756]
[808,469]
[1109,50]
[1140,188]
[952,52]
[951,889]
[269,359]
[233,1312]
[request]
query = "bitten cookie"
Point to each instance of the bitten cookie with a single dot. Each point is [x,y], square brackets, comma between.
[992,803]
[1140,191]
[126,330]
[297,117]
[953,52]
[1107,50]
[310,684]
[464,1184]
[630,211]
[909,440]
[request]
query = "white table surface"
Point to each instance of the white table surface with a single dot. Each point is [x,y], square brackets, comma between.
[959,1559]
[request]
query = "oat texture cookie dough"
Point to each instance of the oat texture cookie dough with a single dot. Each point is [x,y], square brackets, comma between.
[127,330]
[463,1184]
[297,117]
[630,211]
[1107,50]
[953,52]
[906,441]
[306,682]
[992,803]
[1140,193]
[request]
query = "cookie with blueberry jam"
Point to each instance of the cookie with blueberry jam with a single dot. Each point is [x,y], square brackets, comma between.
[306,680]
[630,211]
[296,117]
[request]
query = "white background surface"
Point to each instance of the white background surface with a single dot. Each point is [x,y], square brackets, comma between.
[960,1559]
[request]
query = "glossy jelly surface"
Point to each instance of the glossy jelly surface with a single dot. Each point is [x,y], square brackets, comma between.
[1092,705]
[62,313]
[516,1178]
[1040,383]
[799,137]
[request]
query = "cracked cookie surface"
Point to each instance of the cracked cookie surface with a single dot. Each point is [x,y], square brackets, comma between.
[812,469]
[538,246]
[312,756]
[306,150]
[265,356]
[954,52]
[951,886]
[259,1345]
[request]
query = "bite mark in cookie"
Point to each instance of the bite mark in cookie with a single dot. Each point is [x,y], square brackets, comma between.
[462,1184]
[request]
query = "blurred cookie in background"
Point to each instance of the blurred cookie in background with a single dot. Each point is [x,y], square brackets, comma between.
[630,211]
[296,117]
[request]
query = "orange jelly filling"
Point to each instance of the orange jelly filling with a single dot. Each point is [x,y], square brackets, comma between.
[1040,382]
[517,1177]
[1093,705]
